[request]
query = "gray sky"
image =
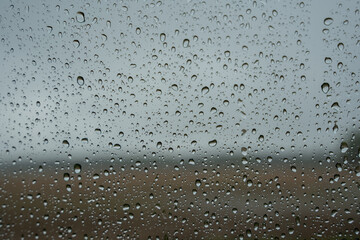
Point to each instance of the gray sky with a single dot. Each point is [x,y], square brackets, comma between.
[223,69]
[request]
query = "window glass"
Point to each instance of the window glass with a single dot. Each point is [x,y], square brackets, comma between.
[179,119]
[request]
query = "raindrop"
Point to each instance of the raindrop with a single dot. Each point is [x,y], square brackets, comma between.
[80,17]
[76,43]
[205,90]
[186,43]
[344,147]
[80,80]
[325,87]
[213,143]
[328,21]
[174,87]
[198,183]
[66,143]
[328,60]
[77,168]
[66,177]
[340,46]
[126,207]
[162,37]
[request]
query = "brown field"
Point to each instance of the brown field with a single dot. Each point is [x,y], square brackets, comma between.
[136,202]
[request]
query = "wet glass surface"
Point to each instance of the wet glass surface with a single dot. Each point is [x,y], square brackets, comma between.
[179,119]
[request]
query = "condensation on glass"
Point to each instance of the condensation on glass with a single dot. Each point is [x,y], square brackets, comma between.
[179,119]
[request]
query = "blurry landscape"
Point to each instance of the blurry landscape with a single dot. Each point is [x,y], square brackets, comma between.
[230,197]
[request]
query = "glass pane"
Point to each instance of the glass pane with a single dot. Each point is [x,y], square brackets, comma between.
[179,119]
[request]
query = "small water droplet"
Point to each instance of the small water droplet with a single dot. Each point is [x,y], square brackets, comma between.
[162,37]
[213,143]
[76,43]
[174,87]
[261,138]
[328,21]
[80,17]
[340,46]
[205,90]
[80,80]
[344,147]
[186,43]
[66,143]
[66,177]
[198,183]
[126,207]
[328,60]
[77,168]
[325,87]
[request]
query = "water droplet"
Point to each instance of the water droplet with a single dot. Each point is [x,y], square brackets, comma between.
[328,21]
[340,65]
[328,60]
[174,87]
[213,143]
[76,43]
[325,87]
[77,168]
[80,17]
[344,147]
[205,90]
[340,46]
[244,151]
[198,183]
[335,106]
[126,207]
[80,80]
[66,177]
[186,43]
[162,37]
[66,143]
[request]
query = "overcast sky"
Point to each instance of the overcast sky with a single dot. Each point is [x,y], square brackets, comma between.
[171,77]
